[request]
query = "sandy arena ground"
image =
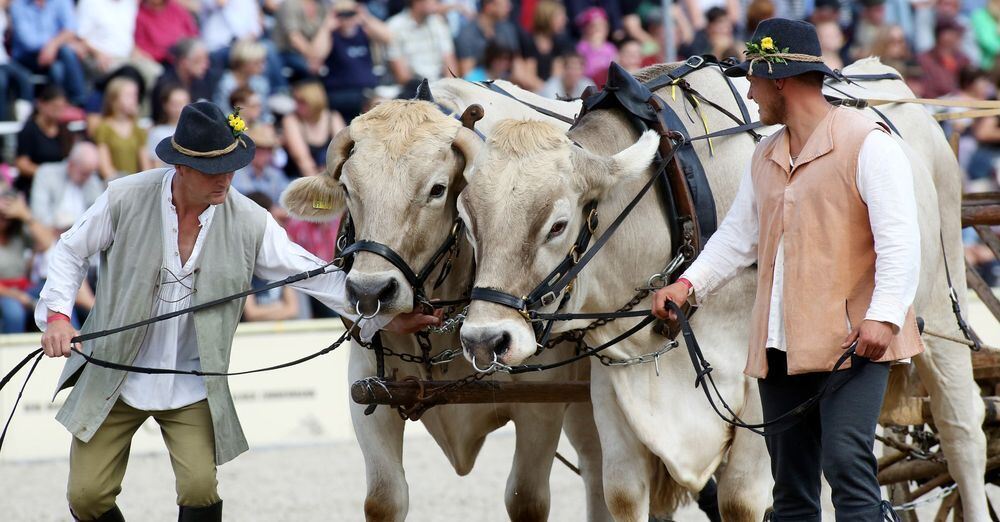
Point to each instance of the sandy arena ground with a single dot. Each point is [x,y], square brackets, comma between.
[315,483]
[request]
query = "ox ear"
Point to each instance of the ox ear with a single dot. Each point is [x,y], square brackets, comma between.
[633,161]
[468,144]
[601,172]
[320,198]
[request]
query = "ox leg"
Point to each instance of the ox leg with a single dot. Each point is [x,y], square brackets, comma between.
[946,371]
[582,433]
[537,430]
[745,481]
[626,461]
[380,436]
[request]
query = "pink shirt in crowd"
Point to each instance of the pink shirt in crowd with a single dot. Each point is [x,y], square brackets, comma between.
[596,59]
[159,28]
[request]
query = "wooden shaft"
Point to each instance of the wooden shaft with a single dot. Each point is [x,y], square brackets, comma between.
[408,392]
[911,470]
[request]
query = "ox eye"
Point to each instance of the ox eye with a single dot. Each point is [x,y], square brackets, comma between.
[437,190]
[557,229]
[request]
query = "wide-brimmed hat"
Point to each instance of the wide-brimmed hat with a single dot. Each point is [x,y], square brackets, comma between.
[781,48]
[208,141]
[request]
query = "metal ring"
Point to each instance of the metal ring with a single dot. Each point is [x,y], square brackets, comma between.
[477,368]
[591,226]
[656,281]
[378,308]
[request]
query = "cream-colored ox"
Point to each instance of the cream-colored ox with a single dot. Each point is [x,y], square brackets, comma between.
[945,369]
[398,169]
[524,207]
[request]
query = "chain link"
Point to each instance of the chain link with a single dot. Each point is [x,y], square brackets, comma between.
[652,357]
[449,325]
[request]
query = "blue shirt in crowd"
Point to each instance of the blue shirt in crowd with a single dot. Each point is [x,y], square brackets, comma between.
[350,63]
[34,25]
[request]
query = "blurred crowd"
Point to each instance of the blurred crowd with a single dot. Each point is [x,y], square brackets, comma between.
[89,87]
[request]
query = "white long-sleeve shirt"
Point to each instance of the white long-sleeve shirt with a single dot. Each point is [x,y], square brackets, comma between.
[172,343]
[885,182]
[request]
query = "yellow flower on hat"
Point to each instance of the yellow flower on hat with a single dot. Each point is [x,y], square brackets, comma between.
[767,43]
[237,123]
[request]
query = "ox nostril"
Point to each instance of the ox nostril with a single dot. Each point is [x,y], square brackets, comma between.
[353,291]
[388,291]
[501,344]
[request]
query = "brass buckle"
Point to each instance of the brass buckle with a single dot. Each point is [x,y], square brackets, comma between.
[574,255]
[591,225]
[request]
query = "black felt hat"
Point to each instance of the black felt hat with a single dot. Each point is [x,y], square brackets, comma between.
[207,140]
[781,48]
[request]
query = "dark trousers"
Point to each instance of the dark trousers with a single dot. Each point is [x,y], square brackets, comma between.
[66,71]
[836,438]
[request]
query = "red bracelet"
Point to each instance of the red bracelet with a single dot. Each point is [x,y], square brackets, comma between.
[685,282]
[56,316]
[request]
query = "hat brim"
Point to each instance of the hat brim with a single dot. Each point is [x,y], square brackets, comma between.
[237,159]
[778,71]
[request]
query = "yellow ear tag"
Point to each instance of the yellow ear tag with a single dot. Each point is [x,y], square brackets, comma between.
[320,204]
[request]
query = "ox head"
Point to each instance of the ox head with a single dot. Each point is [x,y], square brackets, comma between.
[398,170]
[524,209]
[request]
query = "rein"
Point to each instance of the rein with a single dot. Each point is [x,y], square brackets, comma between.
[90,359]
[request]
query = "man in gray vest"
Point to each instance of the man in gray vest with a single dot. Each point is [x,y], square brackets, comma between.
[168,239]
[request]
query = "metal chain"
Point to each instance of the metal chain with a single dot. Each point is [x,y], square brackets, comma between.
[443,357]
[449,325]
[926,499]
[652,357]
[426,402]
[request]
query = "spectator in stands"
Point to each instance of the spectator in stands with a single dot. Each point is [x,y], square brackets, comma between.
[986,25]
[302,34]
[120,139]
[277,304]
[190,69]
[492,24]
[159,26]
[717,38]
[498,64]
[246,69]
[632,11]
[831,43]
[952,10]
[20,234]
[95,102]
[594,47]
[572,82]
[172,100]
[350,59]
[15,82]
[760,10]
[982,170]
[630,55]
[943,62]
[421,43]
[612,12]
[62,192]
[871,23]
[893,50]
[43,37]
[42,139]
[974,85]
[823,11]
[545,49]
[250,104]
[107,32]
[309,130]
[260,175]
[319,239]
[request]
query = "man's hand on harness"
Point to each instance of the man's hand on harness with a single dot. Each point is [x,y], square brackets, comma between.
[873,339]
[57,336]
[413,322]
[677,292]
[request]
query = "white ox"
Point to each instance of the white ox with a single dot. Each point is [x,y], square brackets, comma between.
[945,369]
[523,205]
[399,169]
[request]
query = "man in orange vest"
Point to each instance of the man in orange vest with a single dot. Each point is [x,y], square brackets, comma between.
[828,213]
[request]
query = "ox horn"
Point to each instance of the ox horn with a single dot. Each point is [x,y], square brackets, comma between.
[338,151]
[468,143]
[424,91]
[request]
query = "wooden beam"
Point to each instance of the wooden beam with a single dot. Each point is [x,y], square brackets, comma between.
[983,290]
[409,392]
[980,215]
